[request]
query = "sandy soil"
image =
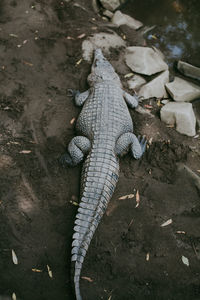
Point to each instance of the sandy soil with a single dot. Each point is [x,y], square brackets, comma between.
[131,255]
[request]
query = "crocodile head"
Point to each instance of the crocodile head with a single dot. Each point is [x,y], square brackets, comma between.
[102,70]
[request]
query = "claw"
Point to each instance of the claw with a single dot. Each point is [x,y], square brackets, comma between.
[66,160]
[72,93]
[143,141]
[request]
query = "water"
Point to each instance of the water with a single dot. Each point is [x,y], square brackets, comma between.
[177,31]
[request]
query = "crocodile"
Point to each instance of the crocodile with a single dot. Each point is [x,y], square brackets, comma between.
[105,131]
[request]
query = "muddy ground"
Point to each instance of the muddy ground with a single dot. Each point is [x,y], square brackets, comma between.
[131,255]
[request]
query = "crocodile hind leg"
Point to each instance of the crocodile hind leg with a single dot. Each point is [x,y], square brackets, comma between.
[127,140]
[77,148]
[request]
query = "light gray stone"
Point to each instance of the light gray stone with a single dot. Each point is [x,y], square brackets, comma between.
[108,13]
[144,60]
[110,4]
[182,90]
[188,70]
[122,19]
[155,87]
[135,82]
[180,114]
[101,40]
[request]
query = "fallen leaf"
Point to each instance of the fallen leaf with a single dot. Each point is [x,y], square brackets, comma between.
[168,222]
[148,106]
[25,41]
[137,198]
[14,297]
[124,37]
[110,298]
[159,103]
[150,141]
[28,63]
[36,270]
[198,171]
[72,121]
[196,136]
[170,126]
[25,151]
[49,272]
[78,62]
[73,203]
[13,35]
[126,197]
[180,232]
[147,257]
[128,75]
[87,278]
[19,46]
[185,261]
[14,257]
[81,36]
[154,36]
[70,38]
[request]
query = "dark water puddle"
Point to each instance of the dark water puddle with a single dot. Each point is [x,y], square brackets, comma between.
[177,31]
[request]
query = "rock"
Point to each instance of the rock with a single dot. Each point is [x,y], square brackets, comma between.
[182,115]
[122,19]
[102,40]
[108,13]
[110,4]
[144,60]
[135,82]
[165,101]
[156,87]
[188,70]
[182,90]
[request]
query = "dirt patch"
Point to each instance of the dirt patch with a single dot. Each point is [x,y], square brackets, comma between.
[39,49]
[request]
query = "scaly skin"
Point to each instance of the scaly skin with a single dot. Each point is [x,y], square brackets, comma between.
[106,130]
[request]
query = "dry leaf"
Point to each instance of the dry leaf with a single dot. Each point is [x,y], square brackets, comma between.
[87,278]
[14,257]
[159,103]
[180,232]
[25,41]
[137,198]
[198,171]
[28,63]
[110,298]
[13,35]
[78,62]
[70,38]
[14,297]
[72,121]
[147,257]
[148,106]
[25,151]
[73,203]
[128,75]
[154,36]
[185,261]
[126,197]
[49,272]
[168,222]
[36,270]
[170,126]
[81,36]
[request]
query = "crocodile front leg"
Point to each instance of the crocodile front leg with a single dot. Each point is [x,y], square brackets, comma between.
[77,148]
[127,140]
[132,101]
[79,98]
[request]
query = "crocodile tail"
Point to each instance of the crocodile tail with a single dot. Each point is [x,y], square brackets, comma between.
[98,184]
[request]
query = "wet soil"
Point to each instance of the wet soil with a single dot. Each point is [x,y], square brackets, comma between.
[131,256]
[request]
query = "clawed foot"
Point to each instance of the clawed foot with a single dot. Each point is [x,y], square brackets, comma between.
[66,160]
[72,93]
[143,141]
